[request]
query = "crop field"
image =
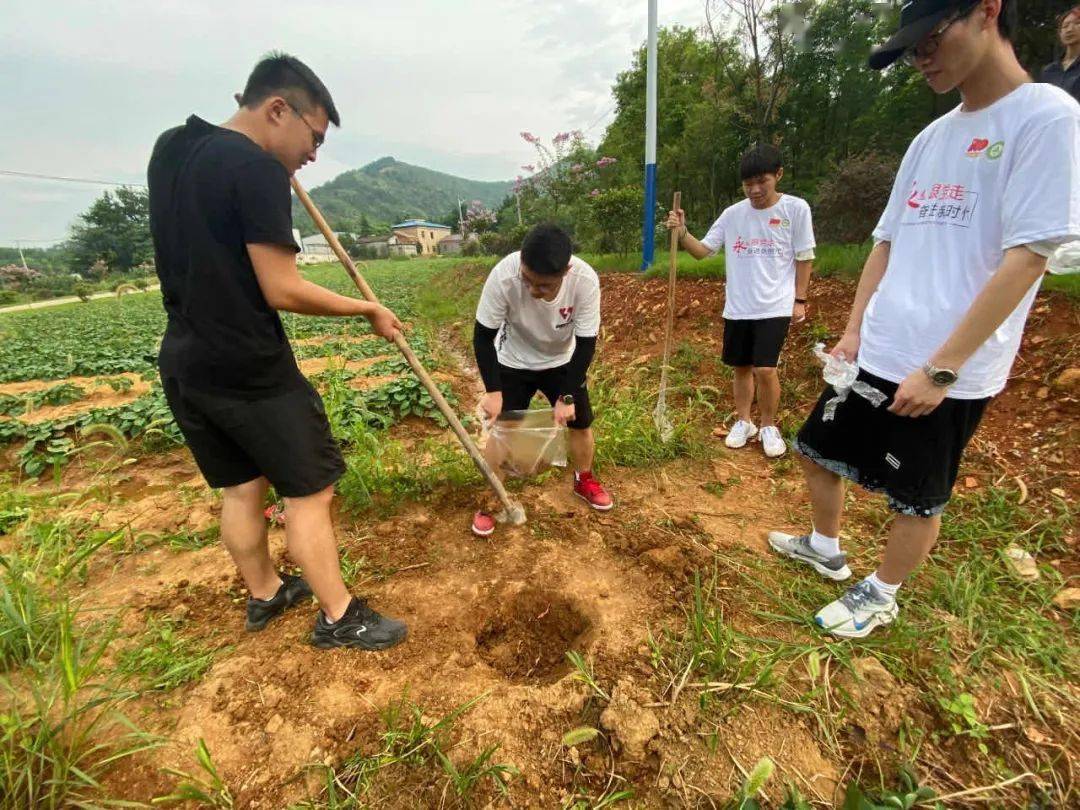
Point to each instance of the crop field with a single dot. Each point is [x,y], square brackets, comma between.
[653,656]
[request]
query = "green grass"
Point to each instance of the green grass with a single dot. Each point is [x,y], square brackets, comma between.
[412,743]
[1068,285]
[965,625]
[62,724]
[164,658]
[205,789]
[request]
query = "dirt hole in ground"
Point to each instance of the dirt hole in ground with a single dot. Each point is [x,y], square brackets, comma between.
[528,637]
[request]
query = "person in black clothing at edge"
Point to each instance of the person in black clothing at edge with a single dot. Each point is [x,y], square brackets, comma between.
[221,221]
[1065,72]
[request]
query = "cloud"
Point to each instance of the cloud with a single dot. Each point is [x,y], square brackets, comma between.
[445,85]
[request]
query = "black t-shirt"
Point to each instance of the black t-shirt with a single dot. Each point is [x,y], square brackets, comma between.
[1067,80]
[213,191]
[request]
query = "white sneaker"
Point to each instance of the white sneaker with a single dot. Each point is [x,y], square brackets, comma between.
[799,548]
[857,612]
[772,442]
[741,432]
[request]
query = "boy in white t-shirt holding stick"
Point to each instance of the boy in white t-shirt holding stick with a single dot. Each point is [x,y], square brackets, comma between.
[769,251]
[983,195]
[536,329]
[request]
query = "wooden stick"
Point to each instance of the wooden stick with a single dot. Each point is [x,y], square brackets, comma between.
[515,513]
[660,415]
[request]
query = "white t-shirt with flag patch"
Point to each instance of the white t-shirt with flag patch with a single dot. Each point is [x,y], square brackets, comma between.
[971,186]
[761,246]
[535,334]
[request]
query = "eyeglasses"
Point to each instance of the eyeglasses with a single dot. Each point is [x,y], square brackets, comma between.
[928,45]
[316,137]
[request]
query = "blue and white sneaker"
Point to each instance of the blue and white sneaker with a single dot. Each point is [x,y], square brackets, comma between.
[857,612]
[799,548]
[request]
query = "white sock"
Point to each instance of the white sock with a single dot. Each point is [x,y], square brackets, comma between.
[829,546]
[884,587]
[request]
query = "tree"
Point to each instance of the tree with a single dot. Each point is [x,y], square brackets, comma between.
[613,223]
[115,230]
[851,200]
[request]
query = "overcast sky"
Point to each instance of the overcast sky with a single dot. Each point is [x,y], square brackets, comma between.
[89,84]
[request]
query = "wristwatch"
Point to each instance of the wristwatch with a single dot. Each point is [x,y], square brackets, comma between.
[941,377]
[567,399]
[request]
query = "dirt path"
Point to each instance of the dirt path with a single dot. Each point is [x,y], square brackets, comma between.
[69,299]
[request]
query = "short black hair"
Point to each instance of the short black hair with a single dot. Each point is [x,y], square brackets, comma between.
[763,158]
[279,74]
[546,250]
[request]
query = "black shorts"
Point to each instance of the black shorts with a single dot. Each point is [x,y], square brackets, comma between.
[754,342]
[519,386]
[284,437]
[913,461]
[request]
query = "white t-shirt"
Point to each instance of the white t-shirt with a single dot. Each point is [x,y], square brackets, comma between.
[971,186]
[535,334]
[761,245]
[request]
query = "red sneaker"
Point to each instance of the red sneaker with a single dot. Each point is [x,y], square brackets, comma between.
[589,490]
[483,524]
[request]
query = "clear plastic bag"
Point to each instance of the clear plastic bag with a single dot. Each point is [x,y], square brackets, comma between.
[841,375]
[528,442]
[838,372]
[1066,259]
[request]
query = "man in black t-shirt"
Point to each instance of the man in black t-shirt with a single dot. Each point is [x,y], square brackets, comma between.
[221,220]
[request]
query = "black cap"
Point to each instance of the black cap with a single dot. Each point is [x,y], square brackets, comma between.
[917,19]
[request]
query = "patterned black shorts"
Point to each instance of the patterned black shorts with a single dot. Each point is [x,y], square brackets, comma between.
[913,461]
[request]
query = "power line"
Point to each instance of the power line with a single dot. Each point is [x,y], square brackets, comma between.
[35,176]
[7,242]
[599,118]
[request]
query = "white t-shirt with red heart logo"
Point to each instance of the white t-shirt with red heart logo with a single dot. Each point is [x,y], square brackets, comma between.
[761,247]
[535,334]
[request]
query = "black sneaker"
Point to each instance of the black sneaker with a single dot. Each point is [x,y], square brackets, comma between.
[360,626]
[261,611]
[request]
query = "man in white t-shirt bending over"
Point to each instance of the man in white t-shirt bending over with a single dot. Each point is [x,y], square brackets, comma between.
[984,194]
[769,251]
[536,329]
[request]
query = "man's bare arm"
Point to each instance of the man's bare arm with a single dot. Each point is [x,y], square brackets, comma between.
[285,289]
[1019,269]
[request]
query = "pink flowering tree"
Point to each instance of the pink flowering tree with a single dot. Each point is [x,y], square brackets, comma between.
[556,184]
[478,219]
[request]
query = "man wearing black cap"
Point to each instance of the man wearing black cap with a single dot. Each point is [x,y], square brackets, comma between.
[982,197]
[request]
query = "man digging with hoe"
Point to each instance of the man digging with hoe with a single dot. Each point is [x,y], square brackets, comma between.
[221,221]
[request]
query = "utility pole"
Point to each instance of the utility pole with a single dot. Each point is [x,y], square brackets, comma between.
[18,244]
[460,218]
[648,226]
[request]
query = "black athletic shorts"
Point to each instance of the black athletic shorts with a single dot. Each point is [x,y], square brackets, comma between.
[913,461]
[284,437]
[520,385]
[754,342]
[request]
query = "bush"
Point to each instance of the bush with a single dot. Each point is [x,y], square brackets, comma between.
[850,201]
[502,242]
[613,221]
[472,247]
